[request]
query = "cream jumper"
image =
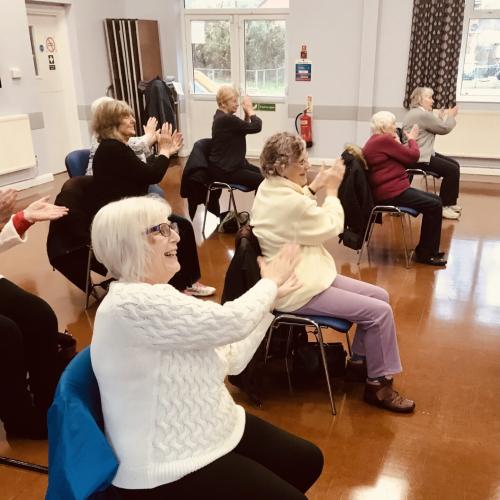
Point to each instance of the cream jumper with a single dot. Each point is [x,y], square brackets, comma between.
[160,358]
[284,212]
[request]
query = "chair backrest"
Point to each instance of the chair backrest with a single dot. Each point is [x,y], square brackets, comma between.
[77,162]
[81,461]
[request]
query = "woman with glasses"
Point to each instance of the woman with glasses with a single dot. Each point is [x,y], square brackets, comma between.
[119,173]
[160,358]
[286,209]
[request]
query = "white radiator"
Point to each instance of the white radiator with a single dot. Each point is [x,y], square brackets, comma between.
[16,144]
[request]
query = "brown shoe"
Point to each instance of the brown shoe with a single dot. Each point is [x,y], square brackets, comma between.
[384,396]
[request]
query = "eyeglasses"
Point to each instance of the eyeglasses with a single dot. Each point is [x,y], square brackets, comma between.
[165,229]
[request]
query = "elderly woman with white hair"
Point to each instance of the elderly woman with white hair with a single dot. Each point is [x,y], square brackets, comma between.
[429,125]
[286,209]
[160,358]
[387,161]
[227,162]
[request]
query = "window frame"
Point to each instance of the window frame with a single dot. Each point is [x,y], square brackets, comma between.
[236,18]
[470,13]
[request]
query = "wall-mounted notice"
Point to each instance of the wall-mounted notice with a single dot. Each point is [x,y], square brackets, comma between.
[303,70]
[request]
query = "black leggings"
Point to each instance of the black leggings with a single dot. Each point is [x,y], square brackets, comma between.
[268,463]
[28,344]
[449,170]
[247,175]
[73,265]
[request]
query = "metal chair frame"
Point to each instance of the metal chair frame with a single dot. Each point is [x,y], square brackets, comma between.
[314,321]
[218,186]
[89,285]
[402,213]
[425,174]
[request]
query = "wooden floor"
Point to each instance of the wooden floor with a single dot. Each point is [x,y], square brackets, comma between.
[449,336]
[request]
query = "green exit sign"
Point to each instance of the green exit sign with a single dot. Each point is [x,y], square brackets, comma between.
[264,106]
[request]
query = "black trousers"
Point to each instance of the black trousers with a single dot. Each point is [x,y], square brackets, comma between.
[431,208]
[28,345]
[74,265]
[449,170]
[247,175]
[268,463]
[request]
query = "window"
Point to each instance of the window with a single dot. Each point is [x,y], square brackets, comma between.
[248,51]
[479,73]
[236,4]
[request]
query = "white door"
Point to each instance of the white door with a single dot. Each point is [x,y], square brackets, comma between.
[52,66]
[248,51]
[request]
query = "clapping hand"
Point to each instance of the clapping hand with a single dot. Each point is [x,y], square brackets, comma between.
[150,130]
[41,210]
[169,142]
[413,133]
[247,106]
[7,202]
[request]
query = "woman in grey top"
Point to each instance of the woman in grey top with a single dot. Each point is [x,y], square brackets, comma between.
[429,125]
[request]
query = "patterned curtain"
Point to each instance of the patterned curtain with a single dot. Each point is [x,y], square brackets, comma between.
[436,36]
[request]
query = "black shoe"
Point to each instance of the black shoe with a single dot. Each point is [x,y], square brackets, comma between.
[433,260]
[440,255]
[355,372]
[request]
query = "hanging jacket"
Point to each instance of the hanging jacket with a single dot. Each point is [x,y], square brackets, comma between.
[159,102]
[355,195]
[195,179]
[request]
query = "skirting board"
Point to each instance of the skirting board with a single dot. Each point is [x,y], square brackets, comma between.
[35,181]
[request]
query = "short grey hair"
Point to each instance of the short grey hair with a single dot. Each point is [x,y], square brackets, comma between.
[225,93]
[418,94]
[381,121]
[119,238]
[280,150]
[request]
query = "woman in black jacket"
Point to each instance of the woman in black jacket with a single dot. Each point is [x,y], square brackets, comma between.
[227,161]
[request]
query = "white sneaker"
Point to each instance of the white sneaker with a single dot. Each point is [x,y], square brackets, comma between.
[456,208]
[200,290]
[449,213]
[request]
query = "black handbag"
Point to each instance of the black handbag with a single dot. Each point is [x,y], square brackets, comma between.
[308,366]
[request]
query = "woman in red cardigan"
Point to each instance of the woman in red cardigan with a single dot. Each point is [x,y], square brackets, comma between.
[387,161]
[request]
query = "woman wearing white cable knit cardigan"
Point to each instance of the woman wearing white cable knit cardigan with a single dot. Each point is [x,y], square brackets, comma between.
[160,358]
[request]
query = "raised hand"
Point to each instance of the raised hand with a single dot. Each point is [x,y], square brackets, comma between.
[150,130]
[169,142]
[282,266]
[7,202]
[453,111]
[247,106]
[413,133]
[41,210]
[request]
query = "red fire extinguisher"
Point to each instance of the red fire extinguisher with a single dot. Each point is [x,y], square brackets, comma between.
[305,127]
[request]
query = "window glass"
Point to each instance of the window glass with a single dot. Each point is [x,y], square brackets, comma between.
[265,57]
[236,4]
[486,4]
[481,68]
[211,55]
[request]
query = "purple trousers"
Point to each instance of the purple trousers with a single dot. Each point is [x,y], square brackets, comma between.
[368,306]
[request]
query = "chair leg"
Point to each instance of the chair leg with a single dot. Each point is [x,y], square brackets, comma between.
[366,237]
[402,216]
[233,202]
[88,283]
[319,337]
[348,343]
[434,184]
[21,464]
[287,356]
[205,215]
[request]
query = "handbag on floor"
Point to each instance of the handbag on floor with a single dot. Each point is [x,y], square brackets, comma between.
[228,223]
[308,366]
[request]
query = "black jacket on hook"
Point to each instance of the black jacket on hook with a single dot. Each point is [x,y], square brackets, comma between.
[159,102]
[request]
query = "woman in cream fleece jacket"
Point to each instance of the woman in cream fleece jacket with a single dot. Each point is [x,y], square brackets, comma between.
[160,358]
[285,209]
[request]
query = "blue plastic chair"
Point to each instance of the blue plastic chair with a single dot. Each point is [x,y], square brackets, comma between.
[77,162]
[81,461]
[317,322]
[400,212]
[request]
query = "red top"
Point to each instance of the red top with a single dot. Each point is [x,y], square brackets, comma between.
[21,225]
[387,163]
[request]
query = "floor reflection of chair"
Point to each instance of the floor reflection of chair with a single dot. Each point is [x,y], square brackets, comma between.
[317,322]
[402,213]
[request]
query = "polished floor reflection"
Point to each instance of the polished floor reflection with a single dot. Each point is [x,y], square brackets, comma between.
[449,335]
